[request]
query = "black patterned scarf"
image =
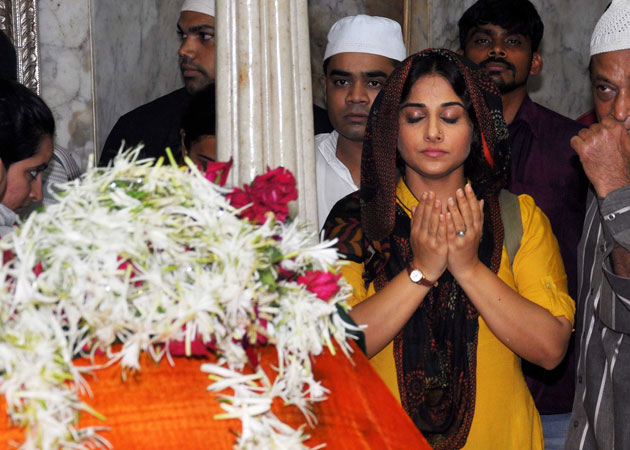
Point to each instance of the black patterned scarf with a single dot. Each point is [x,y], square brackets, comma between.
[436,351]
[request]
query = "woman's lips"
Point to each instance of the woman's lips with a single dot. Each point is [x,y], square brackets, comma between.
[434,152]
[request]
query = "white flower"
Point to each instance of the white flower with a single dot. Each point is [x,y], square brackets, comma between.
[145,255]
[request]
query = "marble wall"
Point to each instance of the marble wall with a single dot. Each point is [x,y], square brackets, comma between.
[135,46]
[66,73]
[563,84]
[102,58]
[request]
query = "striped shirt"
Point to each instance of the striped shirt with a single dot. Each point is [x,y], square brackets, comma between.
[601,408]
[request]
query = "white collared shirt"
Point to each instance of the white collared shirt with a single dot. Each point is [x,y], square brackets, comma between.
[334,180]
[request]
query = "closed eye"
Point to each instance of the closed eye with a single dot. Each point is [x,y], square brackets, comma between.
[414,119]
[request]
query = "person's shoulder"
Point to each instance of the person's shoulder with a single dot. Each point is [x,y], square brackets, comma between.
[555,122]
[344,224]
[347,211]
[588,118]
[176,100]
[533,218]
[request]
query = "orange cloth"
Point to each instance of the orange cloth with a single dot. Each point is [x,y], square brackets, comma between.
[163,407]
[505,415]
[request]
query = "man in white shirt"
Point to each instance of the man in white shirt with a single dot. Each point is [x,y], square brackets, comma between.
[361,53]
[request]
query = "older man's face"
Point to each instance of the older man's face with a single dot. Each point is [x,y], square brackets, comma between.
[610,81]
[197,53]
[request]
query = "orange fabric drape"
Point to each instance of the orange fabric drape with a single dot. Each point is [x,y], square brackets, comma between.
[164,407]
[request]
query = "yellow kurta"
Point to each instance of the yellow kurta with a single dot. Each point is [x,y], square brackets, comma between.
[505,415]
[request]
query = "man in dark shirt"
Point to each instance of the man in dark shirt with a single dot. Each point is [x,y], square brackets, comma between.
[157,124]
[503,37]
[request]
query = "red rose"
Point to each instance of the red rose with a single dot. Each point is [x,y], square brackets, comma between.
[239,198]
[275,188]
[269,193]
[323,284]
[217,172]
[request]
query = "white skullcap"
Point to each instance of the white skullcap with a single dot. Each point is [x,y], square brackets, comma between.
[612,31]
[201,6]
[366,34]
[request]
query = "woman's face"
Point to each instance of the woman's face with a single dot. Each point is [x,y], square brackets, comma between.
[24,178]
[435,131]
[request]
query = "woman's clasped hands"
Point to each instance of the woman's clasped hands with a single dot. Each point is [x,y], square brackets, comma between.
[447,236]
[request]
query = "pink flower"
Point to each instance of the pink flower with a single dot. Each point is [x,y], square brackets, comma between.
[323,284]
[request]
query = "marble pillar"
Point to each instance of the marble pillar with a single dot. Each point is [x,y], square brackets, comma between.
[264,93]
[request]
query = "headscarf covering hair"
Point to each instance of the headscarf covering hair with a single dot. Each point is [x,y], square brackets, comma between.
[487,170]
[436,351]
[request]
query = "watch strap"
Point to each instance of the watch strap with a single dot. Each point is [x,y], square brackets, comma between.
[423,281]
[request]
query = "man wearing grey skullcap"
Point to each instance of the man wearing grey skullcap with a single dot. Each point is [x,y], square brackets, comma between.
[361,53]
[157,124]
[601,408]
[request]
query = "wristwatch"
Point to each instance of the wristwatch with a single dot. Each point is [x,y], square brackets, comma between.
[418,277]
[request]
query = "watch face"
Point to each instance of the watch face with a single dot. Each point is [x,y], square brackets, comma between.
[415,275]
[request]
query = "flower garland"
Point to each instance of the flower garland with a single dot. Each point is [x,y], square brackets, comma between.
[157,259]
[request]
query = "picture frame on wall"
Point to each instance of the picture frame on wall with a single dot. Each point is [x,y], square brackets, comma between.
[18,20]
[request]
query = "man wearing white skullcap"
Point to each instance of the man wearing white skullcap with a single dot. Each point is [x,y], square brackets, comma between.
[197,53]
[601,409]
[361,53]
[157,124]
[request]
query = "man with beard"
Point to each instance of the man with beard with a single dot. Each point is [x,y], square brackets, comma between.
[157,124]
[602,400]
[361,53]
[503,36]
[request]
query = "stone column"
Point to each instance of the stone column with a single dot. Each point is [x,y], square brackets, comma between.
[264,106]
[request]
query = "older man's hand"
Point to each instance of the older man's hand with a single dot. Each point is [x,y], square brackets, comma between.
[604,151]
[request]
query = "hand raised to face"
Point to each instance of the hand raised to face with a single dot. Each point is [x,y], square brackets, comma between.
[464,227]
[428,237]
[604,151]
